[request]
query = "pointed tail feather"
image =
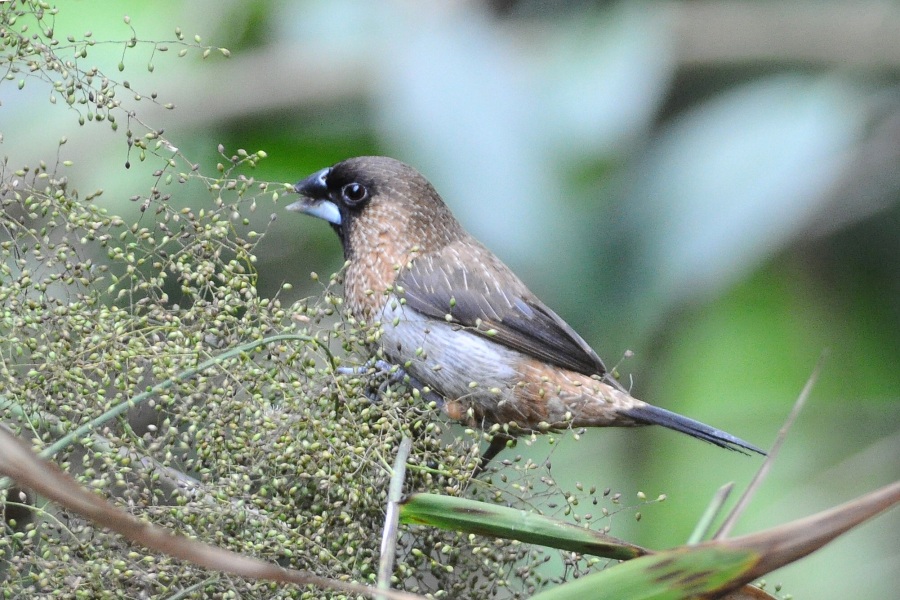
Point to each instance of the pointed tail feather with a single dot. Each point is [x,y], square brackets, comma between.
[653,415]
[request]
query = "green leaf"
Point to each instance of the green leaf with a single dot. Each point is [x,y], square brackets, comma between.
[670,575]
[471,516]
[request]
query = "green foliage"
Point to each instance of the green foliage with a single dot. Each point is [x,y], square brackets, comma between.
[448,512]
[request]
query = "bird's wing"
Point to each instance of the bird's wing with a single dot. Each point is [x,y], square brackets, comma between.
[479,292]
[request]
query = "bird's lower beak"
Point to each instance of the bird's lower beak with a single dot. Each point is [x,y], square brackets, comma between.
[323,209]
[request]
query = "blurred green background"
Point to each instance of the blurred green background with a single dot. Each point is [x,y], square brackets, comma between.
[712,185]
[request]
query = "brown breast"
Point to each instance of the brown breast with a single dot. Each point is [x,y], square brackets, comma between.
[384,238]
[377,253]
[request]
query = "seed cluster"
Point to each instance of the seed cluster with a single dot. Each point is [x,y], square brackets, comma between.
[271,452]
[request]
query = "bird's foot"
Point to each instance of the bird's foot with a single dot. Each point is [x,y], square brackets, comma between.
[390,375]
[377,370]
[381,367]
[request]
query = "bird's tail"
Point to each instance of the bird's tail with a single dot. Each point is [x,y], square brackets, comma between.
[653,415]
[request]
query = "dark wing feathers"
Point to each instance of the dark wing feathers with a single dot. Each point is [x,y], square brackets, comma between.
[484,295]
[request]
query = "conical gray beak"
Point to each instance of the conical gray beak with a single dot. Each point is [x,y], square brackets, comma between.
[315,200]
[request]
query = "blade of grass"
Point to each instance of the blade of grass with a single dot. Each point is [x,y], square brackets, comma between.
[686,572]
[766,466]
[471,516]
[792,541]
[710,514]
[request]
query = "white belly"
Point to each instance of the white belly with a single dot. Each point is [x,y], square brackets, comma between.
[452,361]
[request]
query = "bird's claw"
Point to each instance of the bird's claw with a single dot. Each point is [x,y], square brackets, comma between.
[392,374]
[381,369]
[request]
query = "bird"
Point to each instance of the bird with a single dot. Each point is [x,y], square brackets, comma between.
[459,322]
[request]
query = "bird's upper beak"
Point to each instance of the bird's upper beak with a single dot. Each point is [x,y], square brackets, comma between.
[314,198]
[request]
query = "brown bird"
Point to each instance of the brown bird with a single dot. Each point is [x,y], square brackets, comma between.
[458,320]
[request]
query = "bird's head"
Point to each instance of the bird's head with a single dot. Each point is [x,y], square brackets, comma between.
[377,204]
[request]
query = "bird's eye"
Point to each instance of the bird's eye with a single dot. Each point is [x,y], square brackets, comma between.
[354,193]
